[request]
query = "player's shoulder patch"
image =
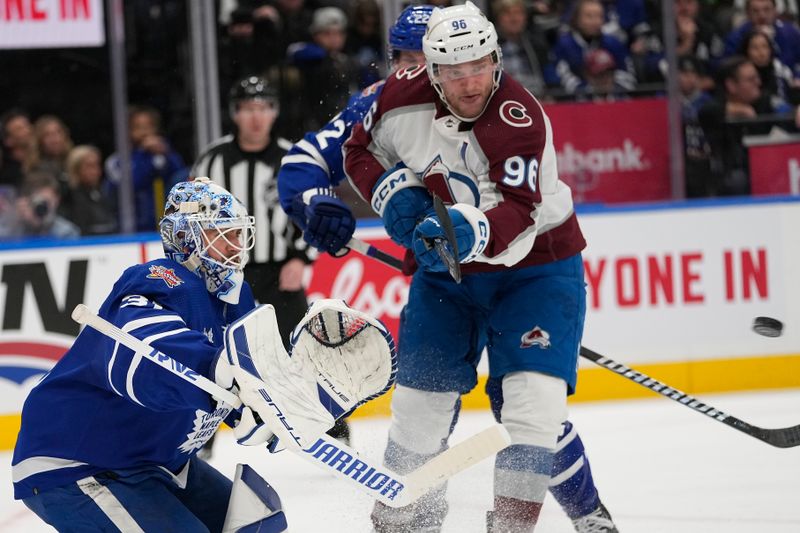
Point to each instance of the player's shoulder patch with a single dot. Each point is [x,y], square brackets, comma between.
[409,73]
[408,85]
[513,113]
[167,275]
[515,105]
[372,89]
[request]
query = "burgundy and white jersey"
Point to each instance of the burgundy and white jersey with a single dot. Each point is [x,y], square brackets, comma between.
[504,163]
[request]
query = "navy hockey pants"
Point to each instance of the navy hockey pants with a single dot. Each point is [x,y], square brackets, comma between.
[144,500]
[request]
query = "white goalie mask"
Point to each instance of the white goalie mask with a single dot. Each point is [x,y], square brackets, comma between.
[459,34]
[207,229]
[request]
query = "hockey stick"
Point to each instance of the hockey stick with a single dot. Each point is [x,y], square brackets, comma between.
[370,251]
[781,437]
[450,260]
[343,462]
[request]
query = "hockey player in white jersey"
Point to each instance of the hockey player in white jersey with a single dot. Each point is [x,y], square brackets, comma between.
[314,164]
[459,128]
[109,438]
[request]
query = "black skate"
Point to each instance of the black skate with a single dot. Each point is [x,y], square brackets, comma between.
[598,521]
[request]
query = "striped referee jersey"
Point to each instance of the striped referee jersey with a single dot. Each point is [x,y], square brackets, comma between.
[252,178]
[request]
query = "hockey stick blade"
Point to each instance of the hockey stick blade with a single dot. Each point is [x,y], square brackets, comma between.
[394,490]
[370,251]
[326,453]
[780,437]
[449,259]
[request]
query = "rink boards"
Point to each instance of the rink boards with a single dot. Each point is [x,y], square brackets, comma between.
[671,289]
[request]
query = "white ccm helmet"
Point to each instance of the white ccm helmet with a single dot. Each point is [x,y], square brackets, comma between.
[459,34]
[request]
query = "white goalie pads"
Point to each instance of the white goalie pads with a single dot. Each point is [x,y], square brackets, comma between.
[340,359]
[254,505]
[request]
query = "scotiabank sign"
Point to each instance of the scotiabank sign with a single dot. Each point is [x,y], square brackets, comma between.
[613,152]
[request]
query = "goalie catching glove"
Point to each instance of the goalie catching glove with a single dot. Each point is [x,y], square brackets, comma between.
[340,358]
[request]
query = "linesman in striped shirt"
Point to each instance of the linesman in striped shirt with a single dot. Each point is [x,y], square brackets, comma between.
[246,163]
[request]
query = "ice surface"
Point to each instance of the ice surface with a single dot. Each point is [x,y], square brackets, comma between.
[659,466]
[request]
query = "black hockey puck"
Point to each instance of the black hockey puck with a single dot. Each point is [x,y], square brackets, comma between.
[768,327]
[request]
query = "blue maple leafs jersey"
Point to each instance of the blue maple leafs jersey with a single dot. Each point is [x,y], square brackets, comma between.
[316,160]
[103,407]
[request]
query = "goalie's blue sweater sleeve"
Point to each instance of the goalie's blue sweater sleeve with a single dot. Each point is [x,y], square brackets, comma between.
[316,159]
[102,407]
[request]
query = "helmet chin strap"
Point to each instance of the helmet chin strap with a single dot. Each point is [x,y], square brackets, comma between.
[230,288]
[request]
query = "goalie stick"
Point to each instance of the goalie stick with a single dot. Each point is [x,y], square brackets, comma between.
[390,488]
[788,437]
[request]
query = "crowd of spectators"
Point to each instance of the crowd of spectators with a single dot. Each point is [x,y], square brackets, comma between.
[739,61]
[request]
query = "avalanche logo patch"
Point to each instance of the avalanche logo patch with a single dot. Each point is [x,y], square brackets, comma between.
[535,337]
[167,274]
[448,185]
[514,114]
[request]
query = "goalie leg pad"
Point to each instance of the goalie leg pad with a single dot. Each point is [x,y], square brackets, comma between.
[254,505]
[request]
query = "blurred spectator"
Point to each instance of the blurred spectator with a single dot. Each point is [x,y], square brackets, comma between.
[777,81]
[598,71]
[53,143]
[546,17]
[524,52]
[585,34]
[88,205]
[625,20]
[156,44]
[155,166]
[8,213]
[698,37]
[365,41]
[37,210]
[256,38]
[328,74]
[18,145]
[697,153]
[787,10]
[762,14]
[253,40]
[730,116]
